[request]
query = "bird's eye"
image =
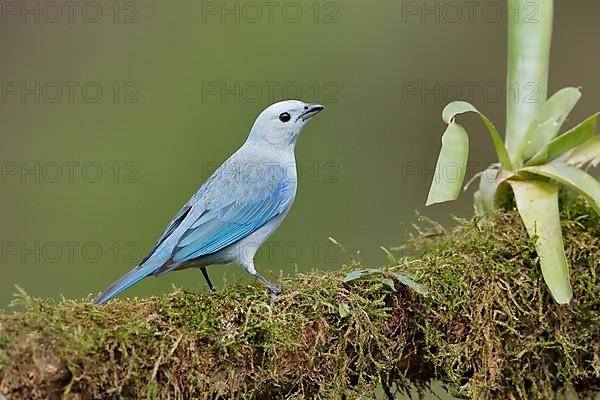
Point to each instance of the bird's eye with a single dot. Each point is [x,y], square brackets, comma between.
[284,117]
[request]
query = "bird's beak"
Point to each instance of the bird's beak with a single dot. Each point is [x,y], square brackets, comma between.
[311,111]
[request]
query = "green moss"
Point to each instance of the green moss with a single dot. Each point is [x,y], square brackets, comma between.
[488,329]
[491,327]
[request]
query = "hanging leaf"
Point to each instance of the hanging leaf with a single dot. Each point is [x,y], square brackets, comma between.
[451,165]
[460,107]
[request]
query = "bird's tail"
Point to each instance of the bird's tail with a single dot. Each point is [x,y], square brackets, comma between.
[130,278]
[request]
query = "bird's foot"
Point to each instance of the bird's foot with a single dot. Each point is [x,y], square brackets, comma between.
[274,290]
[207,278]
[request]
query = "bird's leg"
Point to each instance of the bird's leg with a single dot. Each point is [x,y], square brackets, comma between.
[274,289]
[205,274]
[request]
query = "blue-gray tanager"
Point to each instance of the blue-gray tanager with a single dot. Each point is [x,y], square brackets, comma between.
[237,208]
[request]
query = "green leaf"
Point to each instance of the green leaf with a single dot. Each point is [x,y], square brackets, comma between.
[529,36]
[405,280]
[537,203]
[482,204]
[489,184]
[568,140]
[451,165]
[547,122]
[586,153]
[461,107]
[573,177]
[343,310]
[388,283]
[359,273]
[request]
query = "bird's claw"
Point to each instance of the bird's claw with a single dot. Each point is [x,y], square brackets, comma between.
[274,290]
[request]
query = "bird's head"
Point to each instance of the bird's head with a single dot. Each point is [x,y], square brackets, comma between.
[280,123]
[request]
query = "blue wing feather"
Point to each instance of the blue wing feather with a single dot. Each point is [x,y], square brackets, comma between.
[219,228]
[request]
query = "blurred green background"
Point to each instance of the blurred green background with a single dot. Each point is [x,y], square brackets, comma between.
[113,113]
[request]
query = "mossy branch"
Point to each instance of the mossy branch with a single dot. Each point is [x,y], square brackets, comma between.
[488,329]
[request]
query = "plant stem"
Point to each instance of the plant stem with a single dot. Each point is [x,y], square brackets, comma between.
[529,38]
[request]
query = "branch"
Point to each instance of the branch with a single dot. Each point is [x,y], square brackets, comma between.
[488,329]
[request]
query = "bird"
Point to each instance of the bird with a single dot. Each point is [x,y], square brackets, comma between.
[237,208]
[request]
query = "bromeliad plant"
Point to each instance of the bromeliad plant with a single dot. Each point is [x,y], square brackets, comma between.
[534,159]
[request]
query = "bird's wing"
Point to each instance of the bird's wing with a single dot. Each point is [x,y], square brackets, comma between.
[220,227]
[174,224]
[231,205]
